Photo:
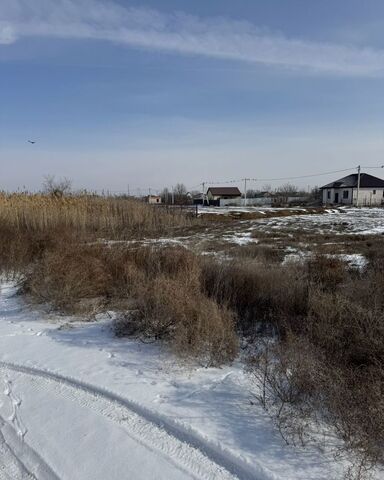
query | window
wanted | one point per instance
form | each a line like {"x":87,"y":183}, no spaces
{"x":345,"y":194}
{"x":329,"y":194}
{"x":374,"y":192}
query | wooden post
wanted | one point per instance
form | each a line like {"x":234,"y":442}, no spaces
{"x":358,"y":186}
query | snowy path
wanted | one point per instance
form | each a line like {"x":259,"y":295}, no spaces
{"x":151,"y":430}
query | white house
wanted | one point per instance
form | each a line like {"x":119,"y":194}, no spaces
{"x":222,"y":195}
{"x":153,"y":199}
{"x":344,"y":191}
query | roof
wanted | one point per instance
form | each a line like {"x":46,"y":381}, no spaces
{"x":366,"y":181}
{"x":227,"y":191}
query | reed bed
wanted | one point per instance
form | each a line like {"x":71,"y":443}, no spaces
{"x":114,"y":217}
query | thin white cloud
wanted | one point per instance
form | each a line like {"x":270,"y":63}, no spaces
{"x":180,"y":33}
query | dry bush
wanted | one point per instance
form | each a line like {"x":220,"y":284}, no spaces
{"x":288,"y":376}
{"x":346,"y":331}
{"x":171,"y":261}
{"x":306,"y":395}
{"x":158,"y":289}
{"x":352,"y":339}
{"x":170,"y":305}
{"x":354,"y":401}
{"x":326,"y":272}
{"x":264,"y":253}
{"x":258,"y":293}
{"x":193,"y":324}
{"x":19,"y":249}
{"x":330,"y":365}
{"x":70,"y":278}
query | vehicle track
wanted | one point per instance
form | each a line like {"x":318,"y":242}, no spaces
{"x":181,"y":446}
{"x":18,"y":461}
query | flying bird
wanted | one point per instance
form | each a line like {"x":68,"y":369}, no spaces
{"x":31,"y":141}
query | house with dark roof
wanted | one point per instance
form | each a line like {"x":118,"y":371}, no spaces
{"x":223,"y":195}
{"x":344,"y":191}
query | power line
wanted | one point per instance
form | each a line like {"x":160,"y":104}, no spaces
{"x":302,"y":176}
{"x":283,"y":178}
{"x":381,"y":166}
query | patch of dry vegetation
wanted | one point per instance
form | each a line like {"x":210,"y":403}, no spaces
{"x":50,"y":240}
{"x":318,"y":333}
{"x":87,"y":214}
{"x":316,"y":329}
{"x":157,"y":289}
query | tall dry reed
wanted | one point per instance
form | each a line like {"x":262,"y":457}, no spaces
{"x":115,"y":217}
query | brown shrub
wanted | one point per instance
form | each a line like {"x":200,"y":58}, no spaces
{"x":263,"y":253}
{"x":350,"y":334}
{"x":159,"y":289}
{"x":354,"y":401}
{"x":332,"y":367}
{"x":304,"y":393}
{"x":68,"y":278}
{"x":171,"y":261}
{"x":193,"y":324}
{"x":288,"y":373}
{"x":327,"y":272}
{"x":258,"y":293}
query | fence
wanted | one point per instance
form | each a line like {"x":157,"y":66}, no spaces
{"x":192,"y":210}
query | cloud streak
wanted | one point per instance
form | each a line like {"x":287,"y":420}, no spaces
{"x":180,"y":33}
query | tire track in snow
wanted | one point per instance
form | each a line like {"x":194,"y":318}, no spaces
{"x":10,"y":466}
{"x":182,"y":447}
{"x":18,"y":460}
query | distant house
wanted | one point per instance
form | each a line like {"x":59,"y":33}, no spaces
{"x":198,"y":199}
{"x":222,"y":195}
{"x":153,"y":199}
{"x":344,"y":191}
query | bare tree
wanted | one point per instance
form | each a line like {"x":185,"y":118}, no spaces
{"x":287,"y":189}
{"x":180,"y":192}
{"x":252,"y":193}
{"x":165,"y":195}
{"x":57,"y":188}
{"x":267,"y":187}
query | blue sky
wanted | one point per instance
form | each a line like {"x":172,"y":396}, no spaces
{"x":158,"y":92}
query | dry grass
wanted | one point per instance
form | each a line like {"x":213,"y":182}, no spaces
{"x":71,"y":278}
{"x":328,"y":359}
{"x":157,"y":290}
{"x":260,"y":293}
{"x":115,"y":217}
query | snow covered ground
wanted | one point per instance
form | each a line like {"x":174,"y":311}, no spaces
{"x":262,"y":210}
{"x":363,"y":221}
{"x":78,"y":403}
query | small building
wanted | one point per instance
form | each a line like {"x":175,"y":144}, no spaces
{"x":198,"y":199}
{"x":226,"y":194}
{"x":153,"y":199}
{"x":344,"y":191}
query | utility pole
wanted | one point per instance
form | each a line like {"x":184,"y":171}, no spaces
{"x":173,"y":195}
{"x":203,"y":184}
{"x":245,"y":191}
{"x":358,"y":185}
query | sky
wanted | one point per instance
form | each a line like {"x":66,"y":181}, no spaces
{"x":135,"y":95}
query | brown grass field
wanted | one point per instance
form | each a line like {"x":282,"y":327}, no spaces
{"x":314,"y":329}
